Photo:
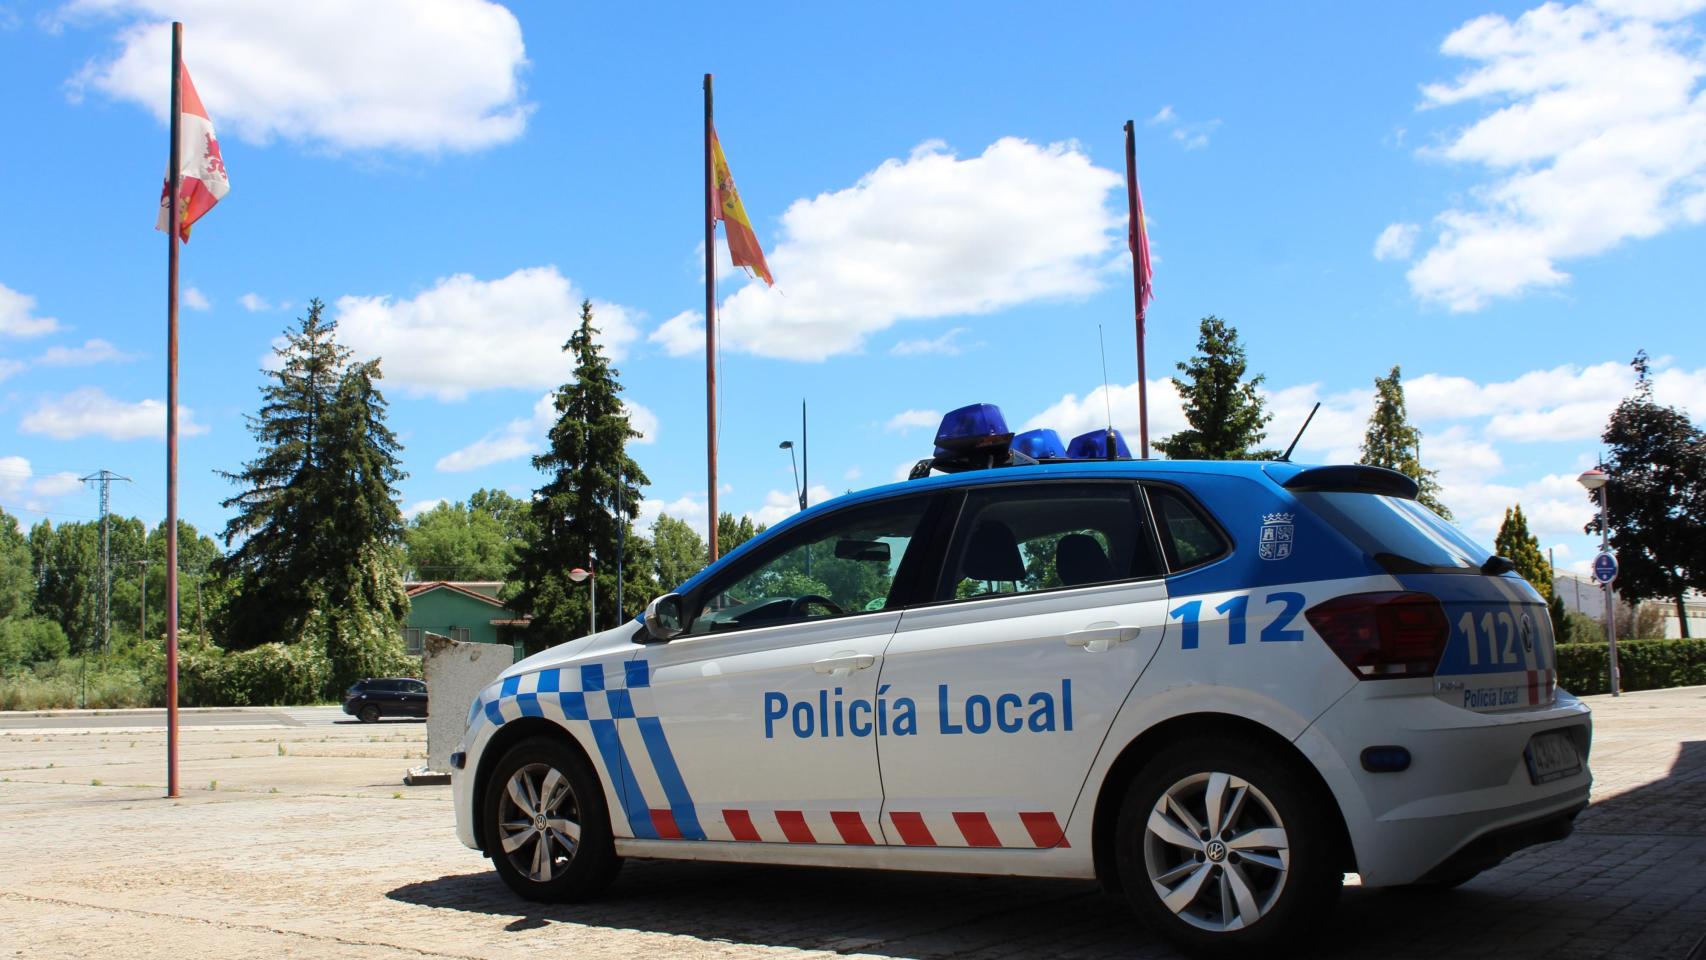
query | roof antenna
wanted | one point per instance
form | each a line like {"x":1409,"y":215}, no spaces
{"x":1107,"y":396}
{"x":1286,"y":456}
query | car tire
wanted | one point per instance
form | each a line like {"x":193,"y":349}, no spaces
{"x":1255,"y":873}
{"x":537,"y":778}
{"x":370,"y":713}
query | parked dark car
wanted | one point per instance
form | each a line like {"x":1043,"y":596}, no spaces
{"x":387,"y":697}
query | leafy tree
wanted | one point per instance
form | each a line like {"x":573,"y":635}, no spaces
{"x":731,"y":532}
{"x":1656,"y":497}
{"x":592,"y":492}
{"x":679,"y":551}
{"x":1516,"y":543}
{"x":68,"y":582}
{"x":1392,"y":442}
{"x":321,"y":552}
{"x":30,"y":640}
{"x":453,"y":542}
{"x":1225,"y":413}
{"x":17,"y":569}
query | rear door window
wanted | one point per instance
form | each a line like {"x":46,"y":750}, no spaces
{"x":1188,"y":536}
{"x":1048,"y":536}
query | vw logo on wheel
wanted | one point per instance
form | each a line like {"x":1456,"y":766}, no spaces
{"x":1216,"y":851}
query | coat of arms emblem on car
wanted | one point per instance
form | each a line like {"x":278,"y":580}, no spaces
{"x":1277,"y":536}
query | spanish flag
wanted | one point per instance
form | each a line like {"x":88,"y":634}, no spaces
{"x":743,"y":243}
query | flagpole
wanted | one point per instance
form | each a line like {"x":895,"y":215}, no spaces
{"x":1137,"y":288}
{"x":710,"y":327}
{"x":173,"y":215}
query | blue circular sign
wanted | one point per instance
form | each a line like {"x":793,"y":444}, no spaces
{"x":1605,"y":567}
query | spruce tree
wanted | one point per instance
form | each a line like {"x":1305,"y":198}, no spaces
{"x":320,"y":558}
{"x":1392,"y":442}
{"x":592,"y":493}
{"x":1225,"y":413}
{"x":1515,"y":543}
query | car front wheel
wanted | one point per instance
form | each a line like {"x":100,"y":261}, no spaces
{"x":1221,"y":846}
{"x":546,"y":825}
{"x":370,"y":714}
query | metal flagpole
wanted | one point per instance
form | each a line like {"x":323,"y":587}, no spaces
{"x":173,"y":216}
{"x":710,"y":326}
{"x":1137,"y":288}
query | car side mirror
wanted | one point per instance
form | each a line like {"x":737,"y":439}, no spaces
{"x":663,"y":617}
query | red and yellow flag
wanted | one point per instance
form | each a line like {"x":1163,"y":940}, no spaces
{"x":743,"y":243}
{"x":201,"y":170}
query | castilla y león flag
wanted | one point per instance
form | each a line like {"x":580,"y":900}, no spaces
{"x":201,"y":171}
{"x":743,"y":243}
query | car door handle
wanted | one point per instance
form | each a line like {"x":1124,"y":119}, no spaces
{"x":843,"y":665}
{"x":1101,"y":637}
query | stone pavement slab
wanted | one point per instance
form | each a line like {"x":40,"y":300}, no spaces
{"x":302,"y":842}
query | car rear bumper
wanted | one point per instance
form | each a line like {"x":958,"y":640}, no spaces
{"x":1467,"y":795}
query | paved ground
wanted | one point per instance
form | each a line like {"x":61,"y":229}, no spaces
{"x":200,"y":717}
{"x":299,"y":841}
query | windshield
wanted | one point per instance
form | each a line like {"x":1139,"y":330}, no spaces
{"x":1399,"y":533}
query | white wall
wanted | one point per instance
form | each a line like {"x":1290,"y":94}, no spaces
{"x":455,"y":672}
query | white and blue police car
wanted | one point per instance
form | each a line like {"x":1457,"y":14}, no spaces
{"x":1216,"y":687}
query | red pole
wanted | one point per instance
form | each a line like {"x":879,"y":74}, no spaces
{"x":1137,"y":288}
{"x":710,"y":322}
{"x":172,"y":217}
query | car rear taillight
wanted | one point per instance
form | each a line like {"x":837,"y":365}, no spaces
{"x":1383,"y":636}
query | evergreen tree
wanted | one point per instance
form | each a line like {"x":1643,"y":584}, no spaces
{"x":1392,"y":442}
{"x":321,"y":556}
{"x":592,"y":492}
{"x":1515,"y":543}
{"x":282,"y":522}
{"x":680,"y":552}
{"x":1656,"y":460}
{"x":1225,"y":413}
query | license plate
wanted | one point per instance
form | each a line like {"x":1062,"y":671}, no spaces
{"x":1552,"y":756}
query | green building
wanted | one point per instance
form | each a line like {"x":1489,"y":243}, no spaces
{"x":467,"y":611}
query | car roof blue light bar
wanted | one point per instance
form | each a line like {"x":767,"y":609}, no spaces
{"x":978,"y":426}
{"x":1042,"y":444}
{"x":1094,"y":446}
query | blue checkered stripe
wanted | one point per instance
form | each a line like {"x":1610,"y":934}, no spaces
{"x":586,"y":694}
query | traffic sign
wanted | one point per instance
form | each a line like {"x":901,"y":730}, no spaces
{"x":1605,"y":567}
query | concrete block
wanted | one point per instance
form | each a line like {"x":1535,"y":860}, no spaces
{"x":455,"y":673}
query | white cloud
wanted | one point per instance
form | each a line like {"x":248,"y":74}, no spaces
{"x":18,"y":317}
{"x":1563,"y":403}
{"x":413,"y":75}
{"x":21,"y":487}
{"x":1070,"y":416}
{"x":9,"y":367}
{"x":779,"y":505}
{"x":88,"y":411}
{"x":466,"y":334}
{"x":929,"y":236}
{"x":853,"y":473}
{"x":1396,"y":242}
{"x":91,"y":352}
{"x":419,"y":507}
{"x":909,"y":419}
{"x":525,"y":436}
{"x":1596,"y":134}
{"x":1191,"y":135}
{"x":254,"y":302}
{"x":195,"y":299}
{"x":690,"y":508}
{"x":681,"y":335}
{"x":946,"y":345}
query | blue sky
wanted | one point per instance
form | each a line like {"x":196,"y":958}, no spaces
{"x":1507,"y":201}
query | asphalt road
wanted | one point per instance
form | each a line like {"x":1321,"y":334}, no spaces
{"x":146,"y":719}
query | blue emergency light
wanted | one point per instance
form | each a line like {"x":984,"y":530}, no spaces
{"x":1042,"y":444}
{"x":973,"y":437}
{"x":1094,"y":446}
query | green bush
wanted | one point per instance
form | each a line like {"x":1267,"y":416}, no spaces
{"x":272,"y":674}
{"x":1583,"y":668}
{"x":70,"y":684}
{"x":27,"y":640}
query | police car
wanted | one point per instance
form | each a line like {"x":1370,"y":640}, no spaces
{"x":1216,"y":687}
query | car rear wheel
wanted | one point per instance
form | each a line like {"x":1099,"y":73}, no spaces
{"x":547,"y":829}
{"x":1220,"y":846}
{"x":370,"y":713}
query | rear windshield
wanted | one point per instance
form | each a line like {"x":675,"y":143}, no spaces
{"x":1402,"y":534}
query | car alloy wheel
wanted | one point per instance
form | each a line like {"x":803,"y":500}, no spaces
{"x":539,"y":822}
{"x":1216,"y":852}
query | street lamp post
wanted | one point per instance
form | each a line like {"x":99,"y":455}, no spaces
{"x":590,"y":578}
{"x":799,"y":494}
{"x":1595,"y":480}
